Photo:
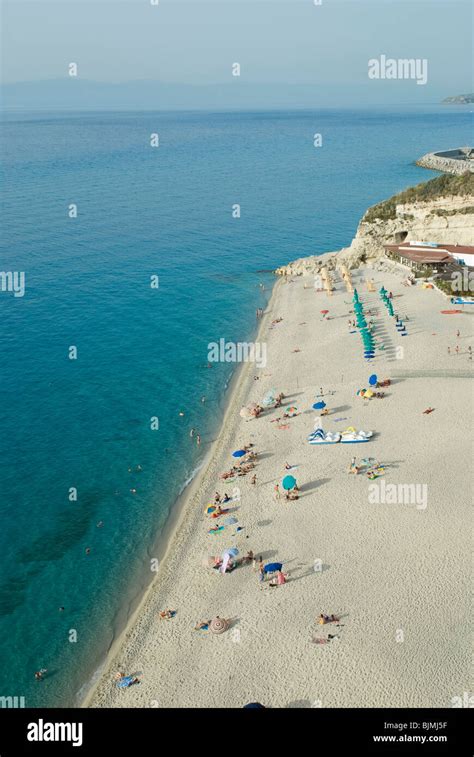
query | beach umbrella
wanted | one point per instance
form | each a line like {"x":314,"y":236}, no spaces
{"x":319,"y":405}
{"x":230,"y":520}
{"x":254,"y":706}
{"x":372,"y":379}
{"x":210,"y":509}
{"x":269,"y":398}
{"x":239,"y":453}
{"x":291,"y":410}
{"x":324,"y":312}
{"x":218,"y":625}
{"x":272,"y":567}
{"x":231,"y":552}
{"x":289,"y":482}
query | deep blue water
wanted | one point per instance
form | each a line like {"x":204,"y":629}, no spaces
{"x":141,"y":352}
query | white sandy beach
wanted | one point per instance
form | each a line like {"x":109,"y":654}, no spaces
{"x":397,"y":575}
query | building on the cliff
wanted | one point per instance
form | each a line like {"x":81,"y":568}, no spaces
{"x":438,"y":258}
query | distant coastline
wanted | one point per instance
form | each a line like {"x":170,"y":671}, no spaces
{"x":459,"y":99}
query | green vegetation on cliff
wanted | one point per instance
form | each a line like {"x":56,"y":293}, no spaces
{"x":442,"y":186}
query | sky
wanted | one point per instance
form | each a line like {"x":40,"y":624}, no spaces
{"x":277,"y":42}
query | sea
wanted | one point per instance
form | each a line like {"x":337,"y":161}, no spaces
{"x":136,"y":258}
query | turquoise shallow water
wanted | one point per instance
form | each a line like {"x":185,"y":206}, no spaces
{"x":143,"y":352}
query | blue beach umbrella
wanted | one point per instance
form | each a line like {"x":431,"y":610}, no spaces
{"x":239,"y":453}
{"x":272,"y":567}
{"x":319,"y":405}
{"x":289,"y":482}
{"x":373,"y":379}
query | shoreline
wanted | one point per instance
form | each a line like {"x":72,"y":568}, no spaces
{"x":162,"y":547}
{"x":377,"y":573}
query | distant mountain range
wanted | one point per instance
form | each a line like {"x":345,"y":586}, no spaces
{"x":463,"y":99}
{"x":79,"y":94}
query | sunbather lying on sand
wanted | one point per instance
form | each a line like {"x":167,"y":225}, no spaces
{"x":203,"y":625}
{"x":323,"y":619}
{"x":166,"y":614}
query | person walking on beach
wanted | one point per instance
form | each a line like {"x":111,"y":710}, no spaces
{"x":276,"y":491}
{"x":469,"y":349}
{"x":458,"y":333}
{"x":253,"y":480}
{"x":261,"y":571}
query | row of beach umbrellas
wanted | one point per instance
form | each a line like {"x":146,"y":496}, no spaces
{"x":367,"y":337}
{"x":386,"y":300}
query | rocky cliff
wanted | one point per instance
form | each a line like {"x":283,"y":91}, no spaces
{"x":441,"y":210}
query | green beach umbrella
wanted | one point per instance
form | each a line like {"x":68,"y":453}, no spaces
{"x":289,"y":482}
